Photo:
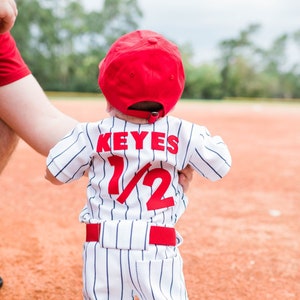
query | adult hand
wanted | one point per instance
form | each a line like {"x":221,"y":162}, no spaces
{"x":8,"y":15}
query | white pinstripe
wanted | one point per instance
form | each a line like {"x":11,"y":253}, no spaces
{"x":122,"y":274}
{"x":103,"y":148}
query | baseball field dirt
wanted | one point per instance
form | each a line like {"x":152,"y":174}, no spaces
{"x":241,"y":234}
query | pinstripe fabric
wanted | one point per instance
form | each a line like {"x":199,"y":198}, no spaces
{"x":122,"y":274}
{"x":133,"y":182}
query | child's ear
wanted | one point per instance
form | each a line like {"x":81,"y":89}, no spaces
{"x":108,"y":107}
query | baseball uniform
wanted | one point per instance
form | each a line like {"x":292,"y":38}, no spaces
{"x":134,"y":200}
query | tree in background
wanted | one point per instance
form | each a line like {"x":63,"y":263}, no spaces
{"x":247,"y":70}
{"x":236,"y":60}
{"x":63,"y":43}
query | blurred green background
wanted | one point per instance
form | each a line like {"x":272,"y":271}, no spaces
{"x":63,"y":42}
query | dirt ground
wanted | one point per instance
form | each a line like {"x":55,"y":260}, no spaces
{"x":241,"y":234}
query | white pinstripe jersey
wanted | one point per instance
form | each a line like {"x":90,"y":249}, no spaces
{"x":133,"y":168}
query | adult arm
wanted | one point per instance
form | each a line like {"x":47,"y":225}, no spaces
{"x":26,"y":109}
{"x":8,"y":143}
{"x":24,"y":106}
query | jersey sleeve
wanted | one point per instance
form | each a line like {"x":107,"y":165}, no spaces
{"x":210,"y":155}
{"x":69,"y":158}
{"x":12,"y":66}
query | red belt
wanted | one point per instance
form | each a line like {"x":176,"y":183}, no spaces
{"x":159,"y":235}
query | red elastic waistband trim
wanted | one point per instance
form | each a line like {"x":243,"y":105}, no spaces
{"x":159,"y":235}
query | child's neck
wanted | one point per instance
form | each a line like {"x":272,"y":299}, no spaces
{"x":132,"y":119}
{"x":113,"y":112}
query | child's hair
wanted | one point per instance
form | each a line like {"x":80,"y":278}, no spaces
{"x":142,"y":75}
{"x":150,"y":106}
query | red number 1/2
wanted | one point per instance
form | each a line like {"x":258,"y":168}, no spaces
{"x":118,"y":163}
{"x":156,"y":200}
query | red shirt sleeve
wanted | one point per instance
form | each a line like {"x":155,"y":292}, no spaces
{"x":12,"y":66}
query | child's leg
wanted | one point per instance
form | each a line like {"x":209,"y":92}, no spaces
{"x":161,"y":278}
{"x":103,"y":273}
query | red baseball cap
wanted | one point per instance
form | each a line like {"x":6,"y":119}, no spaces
{"x":142,"y":66}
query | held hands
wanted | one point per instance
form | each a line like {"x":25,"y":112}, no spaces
{"x":8,"y":14}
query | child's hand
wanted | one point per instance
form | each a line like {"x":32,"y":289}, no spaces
{"x":51,"y":178}
{"x":185,"y":177}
